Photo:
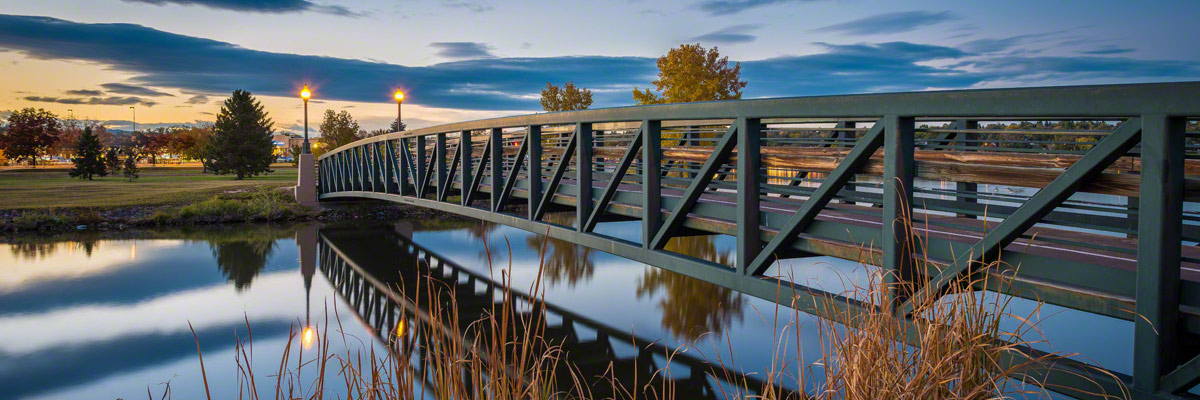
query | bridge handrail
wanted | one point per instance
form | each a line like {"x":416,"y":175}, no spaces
{"x":1123,"y":100}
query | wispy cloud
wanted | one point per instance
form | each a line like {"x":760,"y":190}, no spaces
{"x":732,"y":34}
{"x":84,"y":92}
{"x":469,"y":5}
{"x":462,"y":50}
{"x":722,"y":7}
{"x":123,"y":88}
{"x":108,"y":101}
{"x":259,"y":6}
{"x":1108,"y":50}
{"x":197,"y":99}
{"x":896,"y":22}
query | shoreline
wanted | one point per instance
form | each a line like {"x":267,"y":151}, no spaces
{"x":69,"y":219}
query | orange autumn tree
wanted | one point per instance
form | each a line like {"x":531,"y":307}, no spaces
{"x":693,"y":73}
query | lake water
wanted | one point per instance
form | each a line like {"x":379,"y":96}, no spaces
{"x":91,"y":316}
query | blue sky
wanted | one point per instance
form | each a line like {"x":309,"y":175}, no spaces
{"x":464,"y":59}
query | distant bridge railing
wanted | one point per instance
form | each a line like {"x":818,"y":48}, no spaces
{"x":1090,"y":190}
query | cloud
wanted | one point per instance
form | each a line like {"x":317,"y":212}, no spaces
{"x":470,"y":5}
{"x":259,"y":6}
{"x":1107,"y":50}
{"x":993,"y":45}
{"x":107,"y":101}
{"x":84,"y":92}
{"x":197,"y":66}
{"x":462,"y":50}
{"x":197,"y":99}
{"x":732,"y":34}
{"x":723,"y":7}
{"x":896,"y":22}
{"x":121,"y":88}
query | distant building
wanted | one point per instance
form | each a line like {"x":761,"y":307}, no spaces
{"x":284,"y":143}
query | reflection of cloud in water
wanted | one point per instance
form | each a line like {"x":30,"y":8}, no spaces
{"x":34,"y":261}
{"x":692,"y":307}
{"x":274,"y":298}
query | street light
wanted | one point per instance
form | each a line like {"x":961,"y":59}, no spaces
{"x":399,"y":103}
{"x":305,"y":94}
{"x":134,"y":118}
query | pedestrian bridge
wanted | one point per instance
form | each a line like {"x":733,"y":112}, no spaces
{"x":1087,"y":195}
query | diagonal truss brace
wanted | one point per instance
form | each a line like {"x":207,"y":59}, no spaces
{"x":859,"y":155}
{"x":559,"y":171}
{"x":614,"y":182}
{"x":477,"y":179}
{"x":1103,"y":154}
{"x":511,"y":180}
{"x":718,"y":158}
{"x":448,"y":180}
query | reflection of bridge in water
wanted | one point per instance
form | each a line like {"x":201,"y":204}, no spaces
{"x":1092,"y":191}
{"x":379,"y":271}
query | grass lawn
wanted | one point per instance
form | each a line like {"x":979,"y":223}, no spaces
{"x":53,"y":188}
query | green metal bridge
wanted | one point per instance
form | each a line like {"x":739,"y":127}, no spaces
{"x":1089,"y":191}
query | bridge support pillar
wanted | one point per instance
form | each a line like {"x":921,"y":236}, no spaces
{"x":306,"y":181}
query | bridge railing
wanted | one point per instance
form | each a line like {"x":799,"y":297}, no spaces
{"x":1091,"y":191}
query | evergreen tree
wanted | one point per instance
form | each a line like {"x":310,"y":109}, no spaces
{"x":131,"y":168}
{"x":112,"y":160}
{"x":89,"y":156}
{"x":241,"y":142}
{"x":397,"y":128}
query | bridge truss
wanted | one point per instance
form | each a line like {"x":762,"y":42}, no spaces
{"x":1089,"y":190}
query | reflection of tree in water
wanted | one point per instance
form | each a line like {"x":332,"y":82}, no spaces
{"x":563,"y":261}
{"x":692,"y":307}
{"x":39,"y":250}
{"x":241,"y":260}
{"x":33,"y":250}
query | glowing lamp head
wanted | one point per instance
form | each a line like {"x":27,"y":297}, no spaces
{"x":304,"y":93}
{"x":308,"y":337}
{"x":399,"y":96}
{"x":400,"y":328}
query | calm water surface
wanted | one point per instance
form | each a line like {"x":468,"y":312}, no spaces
{"x":94,"y":317}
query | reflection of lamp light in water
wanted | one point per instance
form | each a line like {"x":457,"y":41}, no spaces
{"x":133,"y":251}
{"x":308,"y":337}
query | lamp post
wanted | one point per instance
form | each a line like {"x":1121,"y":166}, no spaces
{"x":134,"y":118}
{"x":305,"y":94}
{"x":399,"y":104}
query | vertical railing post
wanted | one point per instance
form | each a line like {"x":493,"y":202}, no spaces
{"x":443,"y":181}
{"x":340,"y":166}
{"x":1159,"y":250}
{"x":373,"y":165}
{"x":403,"y":175}
{"x":392,"y":180}
{"x":497,"y":176}
{"x":464,"y":157}
{"x":965,"y":138}
{"x":419,"y":159}
{"x":356,"y":168}
{"x":583,"y":173}
{"x":321,"y":176}
{"x":749,"y":243}
{"x":533,"y":136}
{"x":651,"y":180}
{"x":898,"y":166}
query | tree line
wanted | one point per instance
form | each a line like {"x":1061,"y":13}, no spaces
{"x":239,"y":143}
